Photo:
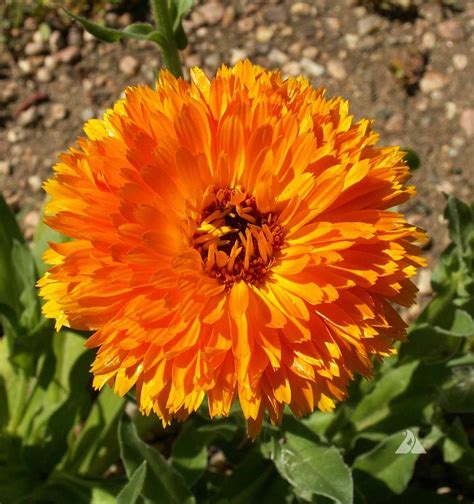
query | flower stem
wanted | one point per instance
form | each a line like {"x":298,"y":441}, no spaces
{"x":169,"y":48}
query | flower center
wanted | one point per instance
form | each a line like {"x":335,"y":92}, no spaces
{"x":235,"y":240}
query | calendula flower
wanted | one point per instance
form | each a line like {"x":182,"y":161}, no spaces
{"x":232,"y":239}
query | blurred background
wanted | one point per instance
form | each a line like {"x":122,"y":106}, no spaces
{"x":405,"y":63}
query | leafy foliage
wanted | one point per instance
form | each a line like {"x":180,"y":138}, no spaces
{"x":60,"y":441}
{"x":142,"y":31}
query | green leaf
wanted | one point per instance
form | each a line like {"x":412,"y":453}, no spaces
{"x":460,"y":222}
{"x":16,"y":482}
{"x":64,"y":487}
{"x":62,"y":378}
{"x":181,"y":38}
{"x":20,"y":312}
{"x":132,"y":490}
{"x":69,"y":348}
{"x":96,"y":448}
{"x":161,"y":479}
{"x":460,"y":324}
{"x":429,"y":344}
{"x":189,"y":453}
{"x":393,"y":471}
{"x":10,"y":233}
{"x":47,"y":406}
{"x":456,"y":446}
{"x":26,"y":274}
{"x":458,"y":396}
{"x":311,"y":468}
{"x":4,"y":413}
{"x":412,"y":159}
{"x":42,"y":236}
{"x":179,"y":9}
{"x":141,"y":31}
{"x":249,"y":482}
{"x":375,"y":406}
{"x":318,"y":422}
{"x":158,"y":38}
{"x":401,"y":397}
{"x":13,"y":384}
{"x":138,"y":29}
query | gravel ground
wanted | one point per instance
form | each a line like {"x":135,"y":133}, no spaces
{"x":410,"y":71}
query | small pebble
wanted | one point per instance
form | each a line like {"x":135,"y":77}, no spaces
{"x":450,"y":109}
{"x":276,"y":14}
{"x":28,"y":117}
{"x":301,"y":9}
{"x":58,"y":111}
{"x":311,"y":69}
{"x":422,"y":104}
{"x":310,"y":52}
{"x":352,"y":40}
{"x":433,"y":81}
{"x":228,"y":16}
{"x":25,"y":66}
{"x":369,"y":24}
{"x":211,"y":12}
{"x":237,"y":55}
{"x":333,"y":24}
{"x":30,"y":221}
{"x":55,"y":41}
{"x":34,"y":48}
{"x":212,"y":61}
{"x":87,"y":113}
{"x":336,"y":69}
{"x":428,"y":41}
{"x":466,"y":121}
{"x":264,"y":34}
{"x":192,"y":60}
{"x":69,"y":55}
{"x":129,"y":65}
{"x":460,"y":61}
{"x":15,"y":135}
{"x":74,"y":38}
{"x":88,"y":37}
{"x":44,"y":75}
{"x":35,"y":183}
{"x":9,"y":92}
{"x":458,"y":141}
{"x":277,"y":57}
{"x":5,"y":168}
{"x":445,"y":186}
{"x":38,"y":37}
{"x":451,"y":30}
{"x":245,"y":25}
{"x":124,"y":19}
{"x":294,"y":49}
{"x":292,"y":69}
{"x":395,"y":123}
{"x":50,"y":62}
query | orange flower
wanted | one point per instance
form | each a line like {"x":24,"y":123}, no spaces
{"x":232,"y":238}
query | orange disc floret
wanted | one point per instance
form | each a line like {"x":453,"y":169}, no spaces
{"x":231,"y":238}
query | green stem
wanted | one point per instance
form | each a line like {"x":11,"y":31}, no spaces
{"x":169,"y":48}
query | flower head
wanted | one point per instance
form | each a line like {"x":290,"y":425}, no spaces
{"x":232,"y":238}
